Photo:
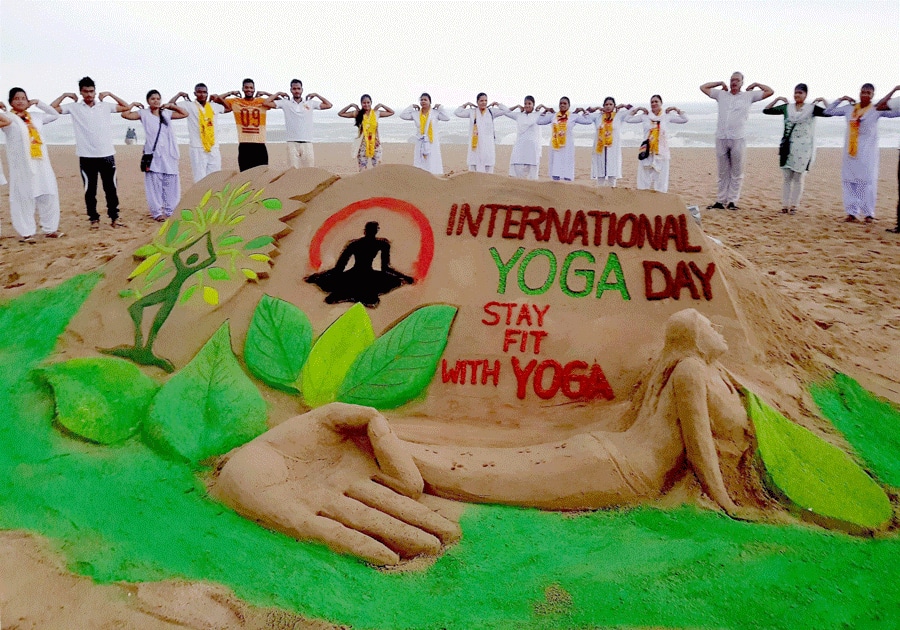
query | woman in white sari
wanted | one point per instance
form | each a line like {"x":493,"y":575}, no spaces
{"x":482,"y":153}
{"x":606,"y":160}
{"x":525,"y":159}
{"x":427,"y":154}
{"x":653,"y":171}
{"x":32,"y":183}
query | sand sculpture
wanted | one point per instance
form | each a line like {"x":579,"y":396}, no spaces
{"x":486,"y":339}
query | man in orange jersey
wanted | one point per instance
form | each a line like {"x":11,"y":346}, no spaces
{"x":250,"y":118}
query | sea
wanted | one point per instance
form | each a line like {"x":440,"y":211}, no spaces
{"x":699,"y":131}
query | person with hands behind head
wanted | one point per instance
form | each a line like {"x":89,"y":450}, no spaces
{"x":365,"y":118}
{"x":797,"y":150}
{"x":298,"y":122}
{"x":885,"y":104}
{"x":162,"y":182}
{"x":427,"y":154}
{"x":204,"y":145}
{"x":653,"y":169}
{"x":731,"y":133}
{"x":859,"y":168}
{"x":606,"y":160}
{"x":249,"y":109}
{"x":94,"y":146}
{"x":481,"y":154}
{"x":525,"y":159}
{"x":562,"y":144}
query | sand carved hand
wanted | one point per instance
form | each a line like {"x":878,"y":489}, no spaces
{"x":337,"y":475}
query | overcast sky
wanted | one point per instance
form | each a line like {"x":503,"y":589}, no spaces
{"x":586,"y":50}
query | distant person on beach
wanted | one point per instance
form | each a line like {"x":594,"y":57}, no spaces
{"x":162,"y":182}
{"x":298,"y":122}
{"x":366,"y":120}
{"x":798,"y":142}
{"x":130,"y":135}
{"x":731,"y":132}
{"x":427,"y":154}
{"x":859,"y":170}
{"x":94,"y":146}
{"x":653,"y":168}
{"x":204,"y":144}
{"x":562,"y":143}
{"x":525,"y":159}
{"x":250,"y":117}
{"x":606,"y":160}
{"x":889,"y":103}
{"x":481,"y":154}
{"x":32,"y":183}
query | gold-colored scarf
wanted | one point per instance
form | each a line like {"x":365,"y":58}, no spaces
{"x":34,"y":137}
{"x":605,"y":132}
{"x":423,"y":120}
{"x":475,"y":131}
{"x":654,"y":139}
{"x":855,"y":120}
{"x":560,"y":124}
{"x":207,"y":127}
{"x":370,"y":131}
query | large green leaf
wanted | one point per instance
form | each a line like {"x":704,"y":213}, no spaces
{"x":401,"y":363}
{"x":278,"y":343}
{"x":207,"y":408}
{"x":814,"y":474}
{"x":334,"y":353}
{"x":101,"y":399}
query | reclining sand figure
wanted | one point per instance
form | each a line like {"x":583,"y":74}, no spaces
{"x":340,"y":475}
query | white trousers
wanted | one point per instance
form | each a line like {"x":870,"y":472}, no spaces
{"x":859,"y":198}
{"x":730,"y":159}
{"x":607,"y":181}
{"x":163,"y":192}
{"x":485,"y":168}
{"x":650,"y":178}
{"x":793,"y":188}
{"x":22,"y":216}
{"x":204,"y":163}
{"x":523,"y":171}
{"x":300,"y":154}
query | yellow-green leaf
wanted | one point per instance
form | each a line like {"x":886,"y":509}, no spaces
{"x":210,"y":295}
{"x":144,"y":266}
{"x":237,"y":219}
{"x":206,"y":197}
{"x":259,"y":257}
{"x":251,"y":275}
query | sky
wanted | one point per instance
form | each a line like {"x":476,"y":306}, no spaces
{"x":394,"y":51}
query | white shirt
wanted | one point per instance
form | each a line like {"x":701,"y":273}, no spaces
{"x":894,"y":104}
{"x":298,"y":118}
{"x":93,"y":128}
{"x":193,"y":122}
{"x":734,"y":110}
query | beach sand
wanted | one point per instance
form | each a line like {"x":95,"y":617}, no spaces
{"x":844,"y":277}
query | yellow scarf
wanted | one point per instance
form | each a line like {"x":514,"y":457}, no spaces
{"x":207,"y":128}
{"x":855,"y":119}
{"x":475,"y":131}
{"x":423,"y":119}
{"x":34,"y":137}
{"x":558,"y":138}
{"x":654,"y":139}
{"x":370,"y":132}
{"x":605,"y":132}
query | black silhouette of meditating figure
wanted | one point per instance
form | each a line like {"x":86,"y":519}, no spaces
{"x":362,"y":282}
{"x":142,"y":353}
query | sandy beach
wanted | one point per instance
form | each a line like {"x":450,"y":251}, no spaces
{"x":843,"y":277}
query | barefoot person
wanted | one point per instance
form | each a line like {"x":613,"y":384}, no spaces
{"x":162,"y":183}
{"x":859,"y":169}
{"x":798,"y":142}
{"x":32,"y":183}
{"x":885,"y":104}
{"x":201,"y":120}
{"x":427,"y":154}
{"x":298,"y":122}
{"x":481,"y":154}
{"x":562,"y":143}
{"x":250,"y":117}
{"x":94,"y":146}
{"x":653,"y":169}
{"x":525,"y":159}
{"x":606,"y":162}
{"x":307,"y":478}
{"x":731,"y":132}
{"x":365,"y":117}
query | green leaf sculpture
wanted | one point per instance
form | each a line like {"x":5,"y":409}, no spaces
{"x":278,"y":343}
{"x":100,"y":399}
{"x":814,"y":474}
{"x":333,"y":354}
{"x":401,"y":363}
{"x":207,"y":408}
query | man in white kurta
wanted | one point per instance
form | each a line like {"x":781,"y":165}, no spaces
{"x":562,"y":140}
{"x":525,"y":159}
{"x":481,"y":154}
{"x":859,"y":168}
{"x":202,"y":131}
{"x":427,"y":154}
{"x":731,"y":133}
{"x":32,"y":183}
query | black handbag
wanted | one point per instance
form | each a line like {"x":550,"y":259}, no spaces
{"x":147,"y":158}
{"x":644,"y":152}
{"x":784,"y":148}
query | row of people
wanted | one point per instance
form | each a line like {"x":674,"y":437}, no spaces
{"x":96,"y":154}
